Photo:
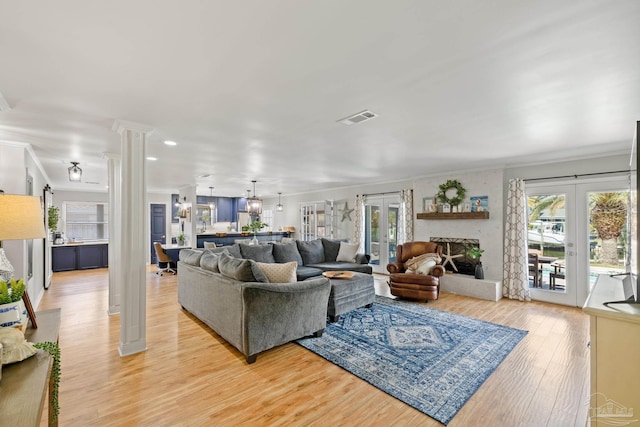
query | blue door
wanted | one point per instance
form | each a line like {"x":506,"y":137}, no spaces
{"x":158,"y":227}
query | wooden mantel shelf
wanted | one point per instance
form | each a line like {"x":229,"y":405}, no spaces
{"x":453,"y":215}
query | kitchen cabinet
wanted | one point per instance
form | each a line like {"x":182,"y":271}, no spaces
{"x":80,"y":257}
{"x":63,"y":258}
{"x":241,"y":204}
{"x":225,"y":209}
{"x":175,"y":207}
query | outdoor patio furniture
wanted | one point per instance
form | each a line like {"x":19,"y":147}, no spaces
{"x":535,"y":270}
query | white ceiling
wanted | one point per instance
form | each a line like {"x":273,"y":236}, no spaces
{"x":254,"y":89}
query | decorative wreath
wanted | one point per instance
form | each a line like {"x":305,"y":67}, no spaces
{"x":451,"y":185}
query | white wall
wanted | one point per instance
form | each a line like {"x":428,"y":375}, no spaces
{"x":487,"y":231}
{"x":16,"y":163}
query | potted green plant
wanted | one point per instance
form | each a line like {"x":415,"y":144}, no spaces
{"x":11,"y":302}
{"x":181,"y":239}
{"x":53,"y":214}
{"x":254,"y":227}
{"x":474,"y":253}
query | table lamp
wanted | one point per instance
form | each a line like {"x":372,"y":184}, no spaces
{"x":21,"y":218}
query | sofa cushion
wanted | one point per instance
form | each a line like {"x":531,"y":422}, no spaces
{"x":331,"y":248}
{"x":209,"y":260}
{"x":190,"y":256}
{"x":242,"y":270}
{"x":347,"y":252}
{"x":304,"y":272}
{"x":279,"y":273}
{"x":233,"y":250}
{"x":209,"y":245}
{"x":286,"y":252}
{"x":258,"y":253}
{"x":311,"y":251}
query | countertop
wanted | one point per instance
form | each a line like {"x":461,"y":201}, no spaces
{"x":83,"y":243}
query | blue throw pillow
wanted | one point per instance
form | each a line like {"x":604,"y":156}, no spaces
{"x":258,"y":253}
{"x":286,"y":252}
{"x":312,"y":252}
{"x":243,"y":270}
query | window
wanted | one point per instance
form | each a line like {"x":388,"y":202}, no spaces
{"x":86,"y":220}
{"x":267,"y":218}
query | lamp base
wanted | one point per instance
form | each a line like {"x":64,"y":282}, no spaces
{"x":6,"y":269}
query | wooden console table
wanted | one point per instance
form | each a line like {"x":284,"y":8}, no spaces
{"x":24,"y":385}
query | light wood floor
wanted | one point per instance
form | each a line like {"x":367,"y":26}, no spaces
{"x":190,"y":377}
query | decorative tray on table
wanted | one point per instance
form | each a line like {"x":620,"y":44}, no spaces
{"x":338,"y":274}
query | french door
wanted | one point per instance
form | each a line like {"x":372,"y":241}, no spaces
{"x":571,"y":247}
{"x":381,"y":230}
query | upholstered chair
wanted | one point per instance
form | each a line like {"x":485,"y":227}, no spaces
{"x":412,"y":285}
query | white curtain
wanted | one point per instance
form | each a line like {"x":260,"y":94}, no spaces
{"x":405,"y":220}
{"x":516,"y":268}
{"x":358,"y":228}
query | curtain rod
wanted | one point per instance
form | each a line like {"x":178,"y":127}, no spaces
{"x":576,"y":176}
{"x":382,"y":194}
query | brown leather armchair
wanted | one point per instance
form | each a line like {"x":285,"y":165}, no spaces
{"x":415,"y":286}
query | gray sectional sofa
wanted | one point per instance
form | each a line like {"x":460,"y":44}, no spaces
{"x":243,"y":308}
{"x":313,"y":257}
{"x":225,"y":288}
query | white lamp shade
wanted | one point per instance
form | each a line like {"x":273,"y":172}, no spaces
{"x":21,"y":217}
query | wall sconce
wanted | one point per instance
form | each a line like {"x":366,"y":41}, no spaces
{"x":279,"y":207}
{"x":254,"y":205}
{"x":75,"y":173}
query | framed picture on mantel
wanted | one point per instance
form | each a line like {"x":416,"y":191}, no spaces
{"x":480,"y":204}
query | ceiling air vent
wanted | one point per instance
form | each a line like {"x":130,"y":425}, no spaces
{"x":360,"y":117}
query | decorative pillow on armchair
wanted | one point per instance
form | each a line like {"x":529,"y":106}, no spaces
{"x":422,"y":264}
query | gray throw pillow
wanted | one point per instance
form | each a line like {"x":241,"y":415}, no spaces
{"x":233,"y":250}
{"x":259,"y":253}
{"x":286,"y":252}
{"x":209,"y":260}
{"x":312,"y":252}
{"x":331,"y":249}
{"x":243,"y":270}
{"x":190,"y":256}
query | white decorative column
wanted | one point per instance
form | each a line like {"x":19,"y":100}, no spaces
{"x":133,"y":246}
{"x":113,"y":169}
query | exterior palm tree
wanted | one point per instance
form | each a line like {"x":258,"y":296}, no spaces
{"x":608,"y":217}
{"x":538,"y":204}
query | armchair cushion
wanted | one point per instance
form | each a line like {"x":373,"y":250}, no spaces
{"x":422,"y":264}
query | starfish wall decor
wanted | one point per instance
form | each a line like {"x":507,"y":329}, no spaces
{"x":346,"y":212}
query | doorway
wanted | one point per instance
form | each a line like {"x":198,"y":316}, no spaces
{"x":158,"y":227}
{"x":381,"y":230}
{"x":575,"y":232}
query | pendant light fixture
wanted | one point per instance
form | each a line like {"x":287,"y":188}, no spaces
{"x":75,"y":173}
{"x":254,"y":205}
{"x":212,"y":205}
{"x":279,"y":207}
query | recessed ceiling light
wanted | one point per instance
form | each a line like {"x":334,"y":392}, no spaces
{"x":152,"y":158}
{"x":172,"y":143}
{"x":206,"y":175}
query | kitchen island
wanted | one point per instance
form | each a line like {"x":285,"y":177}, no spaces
{"x":228,"y":239}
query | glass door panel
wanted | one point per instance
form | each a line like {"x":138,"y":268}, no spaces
{"x":381,"y":231}
{"x":550,"y":242}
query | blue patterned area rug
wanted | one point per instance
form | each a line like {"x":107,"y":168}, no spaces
{"x":430,"y":359}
